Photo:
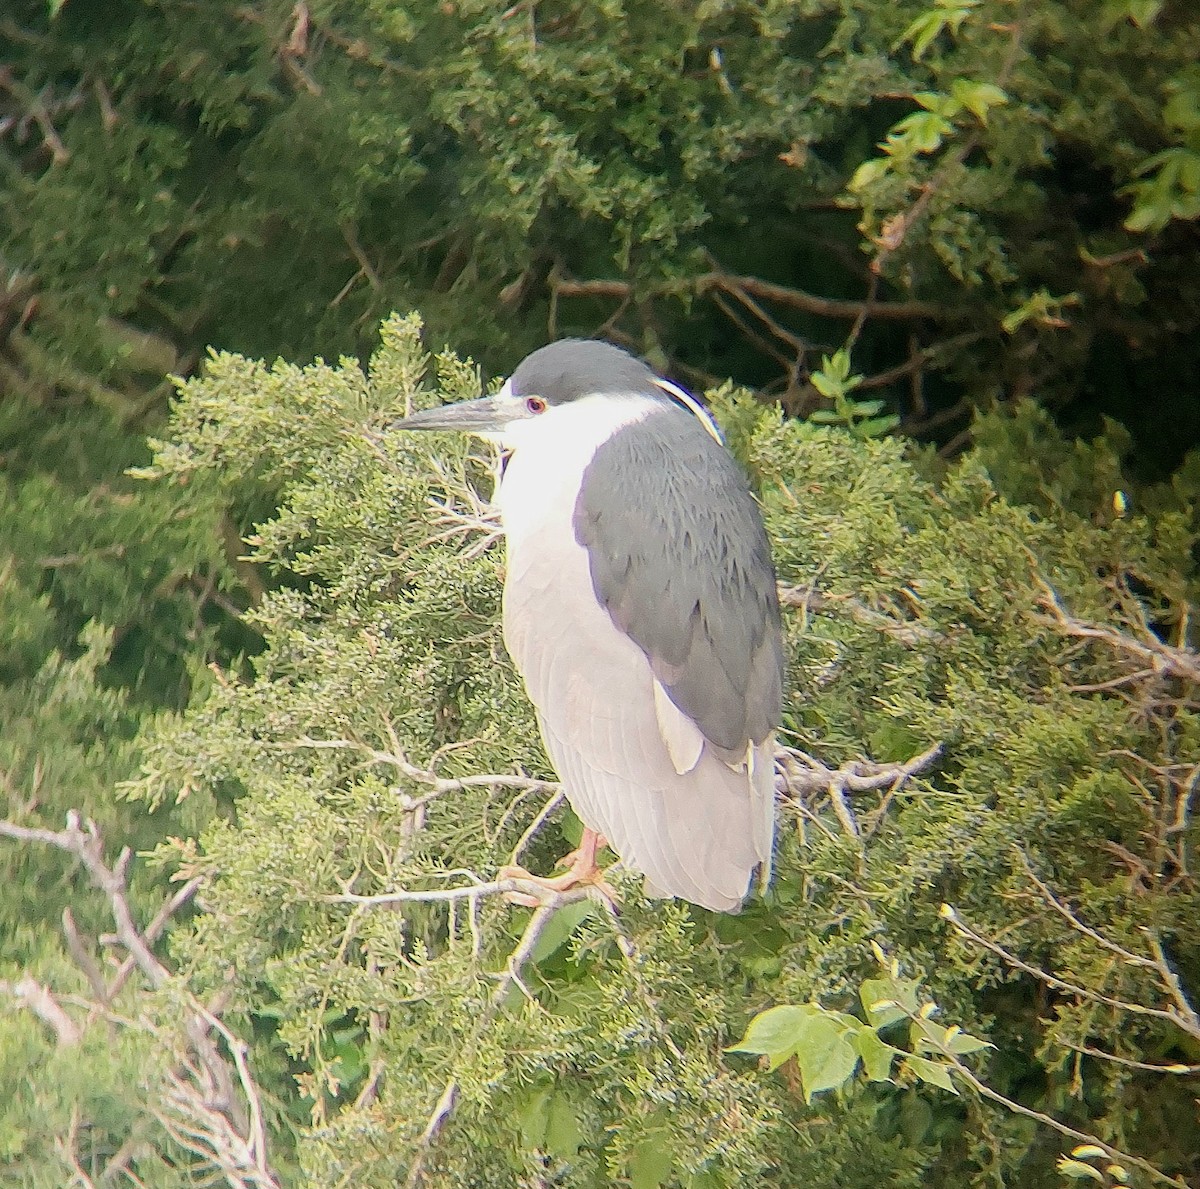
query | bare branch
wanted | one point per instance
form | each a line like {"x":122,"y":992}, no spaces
{"x":479,"y":891}
{"x":810,"y":303}
{"x":906,"y":632}
{"x":85,"y":843}
{"x":543,"y":814}
{"x":1059,"y":907}
{"x":203,"y":1110}
{"x":439,"y":786}
{"x":1164,"y":659}
{"x":1121,"y":1157}
{"x":39,"y":999}
{"x":1174,"y":1016}
{"x":1129,"y":1063}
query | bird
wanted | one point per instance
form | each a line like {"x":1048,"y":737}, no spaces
{"x":640,"y":609}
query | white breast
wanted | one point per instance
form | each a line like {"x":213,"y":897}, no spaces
{"x":695,"y":827}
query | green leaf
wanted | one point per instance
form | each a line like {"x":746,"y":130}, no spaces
{"x":916,"y":1118}
{"x":867,"y":173}
{"x":921,"y":132}
{"x":774,"y":1033}
{"x":886,"y":1000}
{"x":939,"y":103}
{"x":961,"y":1044}
{"x":930,"y":1071}
{"x":876,"y":427}
{"x":825,"y":1056}
{"x":922,"y":32}
{"x":978,"y":98}
{"x":559,"y":928}
{"x":1077,"y":1170}
{"x":877,"y":1055}
{"x":534,"y":1119}
{"x":825,"y":385}
{"x":563,"y":1136}
{"x":651,"y":1165}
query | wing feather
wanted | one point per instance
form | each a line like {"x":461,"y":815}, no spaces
{"x":678,"y":556}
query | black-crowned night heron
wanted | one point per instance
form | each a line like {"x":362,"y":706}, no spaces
{"x":640,"y":608}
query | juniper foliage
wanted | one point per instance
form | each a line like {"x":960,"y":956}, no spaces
{"x":924,"y":607}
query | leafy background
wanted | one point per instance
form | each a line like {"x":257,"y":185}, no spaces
{"x":973,"y":223}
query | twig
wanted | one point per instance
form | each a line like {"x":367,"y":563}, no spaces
{"x":444,"y":1107}
{"x":1164,"y":659}
{"x":84,"y":842}
{"x":152,"y":932}
{"x":205,"y":1114}
{"x":1174,"y":987}
{"x":1051,"y":899}
{"x":1128,"y":1062}
{"x":908,"y":633}
{"x":1116,"y":1154}
{"x":538,"y":822}
{"x":40,"y":1000}
{"x":479,"y":891}
{"x":807,"y":774}
{"x":804,"y":776}
{"x":68,"y":1151}
{"x":439,"y":786}
{"x":811,"y":303}
{"x":1058,"y":984}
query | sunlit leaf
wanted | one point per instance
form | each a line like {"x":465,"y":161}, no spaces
{"x":930,"y":1071}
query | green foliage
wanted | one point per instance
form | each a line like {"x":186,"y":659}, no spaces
{"x":272,"y":179}
{"x":828,"y":1046}
{"x":861,"y":417}
{"x":275,"y":179}
{"x":1169,"y":185}
{"x":945,"y":615}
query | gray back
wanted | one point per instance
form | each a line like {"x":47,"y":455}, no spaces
{"x":680,"y":560}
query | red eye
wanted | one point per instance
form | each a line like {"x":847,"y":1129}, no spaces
{"x":535,"y":404}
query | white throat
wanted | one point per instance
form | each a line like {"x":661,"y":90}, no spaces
{"x":550,"y":452}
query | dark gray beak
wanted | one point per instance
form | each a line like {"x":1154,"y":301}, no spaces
{"x":488,"y":414}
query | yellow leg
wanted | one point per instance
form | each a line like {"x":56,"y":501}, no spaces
{"x":581,"y":869}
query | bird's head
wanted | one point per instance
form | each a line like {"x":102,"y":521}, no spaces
{"x":553,"y":380}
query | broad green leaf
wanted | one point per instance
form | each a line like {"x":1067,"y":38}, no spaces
{"x":824,"y":1054}
{"x":978,"y":98}
{"x":564,"y":1137}
{"x":825,"y":385}
{"x":651,"y":1165}
{"x":876,"y":427}
{"x":877,"y":1055}
{"x":961,"y":1044}
{"x":559,"y":928}
{"x":939,"y":103}
{"x":921,"y":132}
{"x":867,"y":173}
{"x":1077,"y":1170}
{"x":774,"y":1033}
{"x":931,"y":1072}
{"x":534,"y":1118}
{"x":886,"y":1000}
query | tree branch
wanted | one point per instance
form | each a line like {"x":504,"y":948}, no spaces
{"x":1165,"y":659}
{"x":551,"y":902}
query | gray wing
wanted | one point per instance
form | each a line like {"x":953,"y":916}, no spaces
{"x":680,"y":560}
{"x":698,"y":834}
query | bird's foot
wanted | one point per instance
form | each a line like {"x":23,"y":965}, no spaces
{"x":582,"y":871}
